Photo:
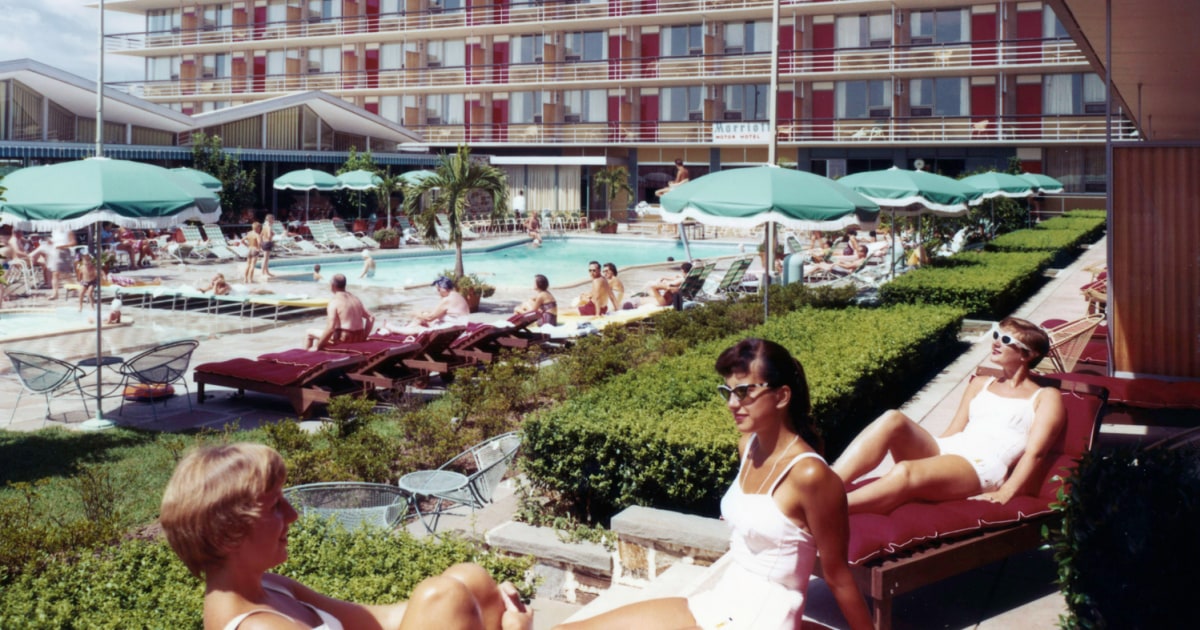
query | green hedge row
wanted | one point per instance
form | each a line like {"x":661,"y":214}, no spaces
{"x":1037,"y":240}
{"x":987,"y":285}
{"x":1091,"y":214}
{"x":141,"y":584}
{"x":660,"y":435}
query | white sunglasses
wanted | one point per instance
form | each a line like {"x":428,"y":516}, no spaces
{"x":1007,"y":339}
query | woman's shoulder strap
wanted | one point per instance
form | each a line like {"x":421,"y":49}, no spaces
{"x":237,"y":621}
{"x":788,"y":468}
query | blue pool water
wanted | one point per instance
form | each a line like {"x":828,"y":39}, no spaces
{"x":23,"y":324}
{"x":562,"y":260}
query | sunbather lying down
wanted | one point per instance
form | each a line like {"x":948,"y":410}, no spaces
{"x":1002,"y":424}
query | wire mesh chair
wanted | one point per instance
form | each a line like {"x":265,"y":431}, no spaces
{"x":1068,"y":341}
{"x":351,"y":503}
{"x":46,"y":376}
{"x":481,"y":468}
{"x":158,"y":367}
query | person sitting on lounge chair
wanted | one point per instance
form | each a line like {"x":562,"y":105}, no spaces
{"x":348,"y":320}
{"x":599,"y":295}
{"x":218,"y":286}
{"x":842,"y":265}
{"x":609,"y":271}
{"x":663,"y":290}
{"x":451,"y":310}
{"x":1000,"y":422}
{"x":542,"y":301}
{"x":226,"y":517}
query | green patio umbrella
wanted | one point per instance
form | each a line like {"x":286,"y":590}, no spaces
{"x":412,"y":178}
{"x":749,"y":197}
{"x":75,"y":195}
{"x":1044,"y":183}
{"x":914,"y":192}
{"x":359,"y":180}
{"x":200,"y":177}
{"x":994,"y":184}
{"x":308,"y":180}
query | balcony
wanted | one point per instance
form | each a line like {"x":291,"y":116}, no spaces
{"x":917,"y":131}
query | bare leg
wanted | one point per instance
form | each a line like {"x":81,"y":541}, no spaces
{"x":940,"y":478}
{"x":894,"y":433}
{"x":464,"y":596}
{"x":654,"y":614}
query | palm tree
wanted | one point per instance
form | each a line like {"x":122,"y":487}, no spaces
{"x":455,"y":176}
{"x":615,"y":180}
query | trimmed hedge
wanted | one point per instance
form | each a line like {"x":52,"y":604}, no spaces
{"x":660,"y":436}
{"x":1037,"y":240}
{"x":141,"y":584}
{"x":988,"y":285}
{"x":1127,"y":546}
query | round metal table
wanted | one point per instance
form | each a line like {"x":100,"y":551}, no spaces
{"x":432,"y":483}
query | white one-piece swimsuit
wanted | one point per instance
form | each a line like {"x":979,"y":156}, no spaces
{"x":764,"y":586}
{"x":995,"y":436}
{"x":328,"y":621}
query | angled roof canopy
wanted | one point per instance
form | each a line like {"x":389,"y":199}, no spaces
{"x":339,"y":114}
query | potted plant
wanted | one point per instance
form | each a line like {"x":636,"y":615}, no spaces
{"x":615,"y":181}
{"x":605,"y":226}
{"x":387,"y":237}
{"x":473,"y":288}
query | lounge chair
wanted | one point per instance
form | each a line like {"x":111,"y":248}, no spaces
{"x":217,"y":242}
{"x":731,"y":282}
{"x":519,"y":335}
{"x":292,"y":243}
{"x":693,"y":283}
{"x":433,"y":357}
{"x":158,"y":368}
{"x":483,"y":342}
{"x":304,"y":378}
{"x":383,"y":362}
{"x":46,"y":376}
{"x":922,"y":543}
{"x":1069,"y":340}
{"x":362,"y":237}
{"x":480,"y":470}
{"x":194,"y":244}
{"x":351,"y":503}
{"x":325,"y":235}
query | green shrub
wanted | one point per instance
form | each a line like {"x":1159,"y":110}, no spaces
{"x":987,"y":285}
{"x":1127,"y":547}
{"x":1091,"y":214}
{"x":659,"y":435}
{"x":1037,"y":240}
{"x":141,"y":584}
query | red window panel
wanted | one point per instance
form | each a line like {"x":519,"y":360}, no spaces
{"x":1029,"y":107}
{"x":649,"y":117}
{"x":984,"y":46}
{"x":500,"y":62}
{"x":371,"y":65}
{"x":823,"y":42}
{"x":1029,"y":36}
{"x":822,"y":113}
{"x":650,"y":52}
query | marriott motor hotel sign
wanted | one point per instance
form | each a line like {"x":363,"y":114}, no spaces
{"x":741,"y":132}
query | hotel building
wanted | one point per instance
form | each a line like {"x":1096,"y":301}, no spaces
{"x":555,"y":89}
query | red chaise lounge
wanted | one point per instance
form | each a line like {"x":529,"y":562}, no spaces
{"x":304,"y":378}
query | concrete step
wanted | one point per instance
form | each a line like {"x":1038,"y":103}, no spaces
{"x":673,"y":582}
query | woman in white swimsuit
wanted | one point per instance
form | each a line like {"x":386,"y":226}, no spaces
{"x":1000,"y":421}
{"x":785,"y":506}
{"x":225,"y":516}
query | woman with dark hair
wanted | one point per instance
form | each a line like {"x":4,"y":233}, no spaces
{"x":542,"y":301}
{"x":1000,"y":421}
{"x":784,"y":508}
{"x":225,"y":516}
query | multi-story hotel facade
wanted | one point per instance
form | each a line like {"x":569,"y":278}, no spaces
{"x":555,"y":89}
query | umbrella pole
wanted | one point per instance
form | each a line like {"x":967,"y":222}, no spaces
{"x":687,"y":249}
{"x":766,"y":283}
{"x":98,"y":423}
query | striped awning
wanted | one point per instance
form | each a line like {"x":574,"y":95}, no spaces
{"x":79,"y":150}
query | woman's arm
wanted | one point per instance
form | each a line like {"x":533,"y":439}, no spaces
{"x":819,"y":493}
{"x":351,"y":615}
{"x":437,"y":313}
{"x":963,"y":414}
{"x":1048,"y":422}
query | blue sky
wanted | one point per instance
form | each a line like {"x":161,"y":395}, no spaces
{"x":62,"y":33}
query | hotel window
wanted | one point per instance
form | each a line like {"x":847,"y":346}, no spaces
{"x":946,"y":96}
{"x":445,"y":6}
{"x":391,"y":7}
{"x":748,"y":37}
{"x":1073,"y":94}
{"x":277,"y":11}
{"x":1051,"y":27}
{"x":681,"y":41}
{"x":328,"y":59}
{"x":163,"y":68}
{"x":450,"y":53}
{"x":324,"y":10}
{"x":163,"y":21}
{"x":215,"y":66}
{"x":444,"y":109}
{"x":864,"y":31}
{"x":677,"y":104}
{"x":940,"y":27}
{"x":392,"y":107}
{"x":528,"y":49}
{"x":587,"y":46}
{"x":525,"y":107}
{"x":589,"y":106}
{"x":216,"y":16}
{"x":745,"y":102}
{"x":864,"y":99}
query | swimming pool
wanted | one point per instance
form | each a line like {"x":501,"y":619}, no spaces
{"x":562,"y":260}
{"x":18,"y":324}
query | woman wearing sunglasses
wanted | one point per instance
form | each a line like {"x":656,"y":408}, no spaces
{"x":1000,"y":422}
{"x":784,"y":507}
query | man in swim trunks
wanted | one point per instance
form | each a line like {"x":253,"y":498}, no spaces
{"x":595,"y":302}
{"x":348,"y":319}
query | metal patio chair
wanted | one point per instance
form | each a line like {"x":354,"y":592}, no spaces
{"x":351,"y":503}
{"x":470,"y":478}
{"x":160,"y":366}
{"x":46,"y":376}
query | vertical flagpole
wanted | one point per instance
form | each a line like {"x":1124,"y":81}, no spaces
{"x":772,"y":144}
{"x":99,"y":422}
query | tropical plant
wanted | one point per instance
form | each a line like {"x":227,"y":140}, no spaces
{"x":455,"y":176}
{"x":347,"y":201}
{"x":237,"y":183}
{"x":615,"y":180}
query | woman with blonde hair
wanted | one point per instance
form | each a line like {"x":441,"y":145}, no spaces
{"x":226,"y":518}
{"x":1003,"y":424}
